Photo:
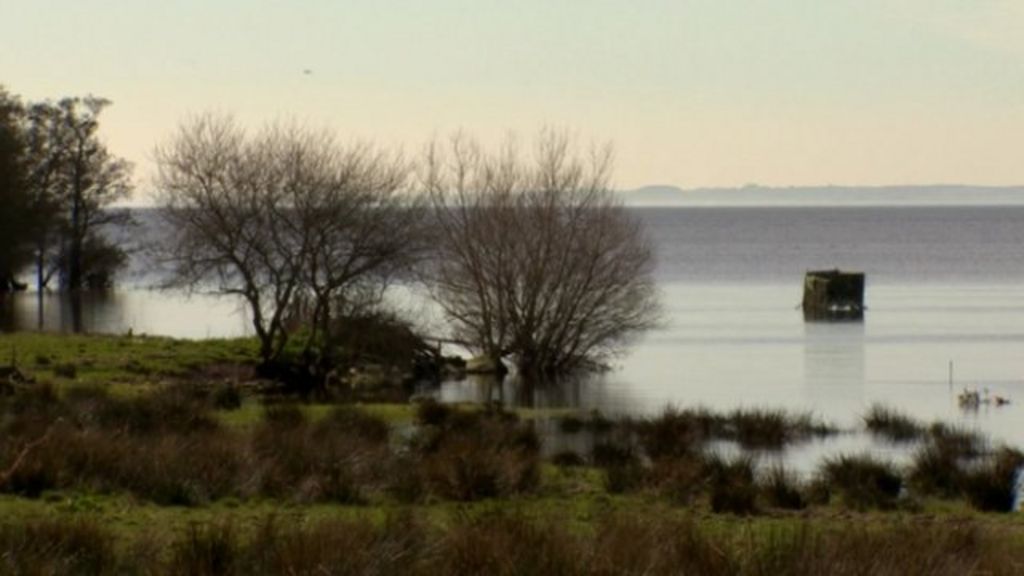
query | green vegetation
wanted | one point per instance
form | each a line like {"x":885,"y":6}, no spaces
{"x":113,"y":361}
{"x":888,"y":423}
{"x":191,"y":467}
{"x":58,"y":181}
{"x":512,"y":541}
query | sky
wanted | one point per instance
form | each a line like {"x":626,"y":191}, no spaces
{"x":691,"y":93}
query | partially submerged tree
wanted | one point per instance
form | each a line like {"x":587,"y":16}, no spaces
{"x":15,"y":250}
{"x":535,"y":258}
{"x":288,"y":219}
{"x":73,"y":181}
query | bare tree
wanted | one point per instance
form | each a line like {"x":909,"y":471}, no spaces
{"x":535,"y":258}
{"x":287,"y":219}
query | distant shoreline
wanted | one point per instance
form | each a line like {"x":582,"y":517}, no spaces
{"x":910,"y":195}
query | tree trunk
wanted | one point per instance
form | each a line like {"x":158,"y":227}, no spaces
{"x":74,"y":263}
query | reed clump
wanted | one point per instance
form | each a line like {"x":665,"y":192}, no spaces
{"x":893,"y":425}
{"x":472,"y":455}
{"x":862,"y":481}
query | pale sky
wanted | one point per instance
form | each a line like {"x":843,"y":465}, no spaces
{"x":690,"y":92}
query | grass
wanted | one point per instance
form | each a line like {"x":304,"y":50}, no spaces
{"x":782,"y":490}
{"x":169,"y":477}
{"x":733,"y":489}
{"x":891,"y":424}
{"x":994,"y":485}
{"x":862,"y":482}
{"x":512,"y":541}
{"x":680,"y":432}
{"x":96,"y":359}
{"x":167,"y":447}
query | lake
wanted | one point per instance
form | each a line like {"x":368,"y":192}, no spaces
{"x":945,"y":288}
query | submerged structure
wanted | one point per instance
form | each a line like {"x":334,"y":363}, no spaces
{"x":831,"y":295}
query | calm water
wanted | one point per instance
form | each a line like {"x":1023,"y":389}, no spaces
{"x":944,"y":286}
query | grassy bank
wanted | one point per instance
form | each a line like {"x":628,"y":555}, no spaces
{"x":183,"y":467}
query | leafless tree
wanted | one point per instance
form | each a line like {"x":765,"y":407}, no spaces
{"x":535,"y":258}
{"x":288,"y":219}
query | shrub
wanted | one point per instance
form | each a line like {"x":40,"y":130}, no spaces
{"x":473,"y":455}
{"x":995,"y":485}
{"x":958,"y":442}
{"x":571,"y":424}
{"x":502,"y":544}
{"x":175,"y":469}
{"x":674,"y":433}
{"x":335,"y":459}
{"x":613,"y":452}
{"x":430,"y":412}
{"x":348,"y":421}
{"x":283,"y":416}
{"x":568,"y":459}
{"x":335,"y":547}
{"x":38,"y":399}
{"x":599,"y":423}
{"x":781,"y":490}
{"x":491,"y":458}
{"x":760,"y":428}
{"x":660,"y":544}
{"x":771,"y":429}
{"x":862,"y":481}
{"x":227,"y":397}
{"x":936,"y":470}
{"x":66,"y":370}
{"x":733,"y":489}
{"x":623,"y":477}
{"x":206,"y":550}
{"x":31,"y":459}
{"x":680,"y":479}
{"x":891,"y":424}
{"x":56,"y":546}
{"x":175,"y":408}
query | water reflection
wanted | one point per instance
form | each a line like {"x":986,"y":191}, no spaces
{"x":515,"y":391}
{"x":603,"y":391}
{"x":833,"y":366}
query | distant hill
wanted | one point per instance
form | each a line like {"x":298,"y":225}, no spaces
{"x":938,"y":195}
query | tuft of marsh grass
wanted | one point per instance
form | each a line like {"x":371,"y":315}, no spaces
{"x":207,"y":550}
{"x":863,"y":481}
{"x":568,"y":459}
{"x":680,"y":432}
{"x":963,"y":443}
{"x":782,"y":490}
{"x":891,"y":424}
{"x":430,"y":412}
{"x":674,"y":433}
{"x":732,"y":485}
{"x":56,"y":546}
{"x":994,"y":485}
{"x":936,"y":471}
{"x":473,"y":455}
{"x":772,"y":429}
{"x":571,"y":424}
